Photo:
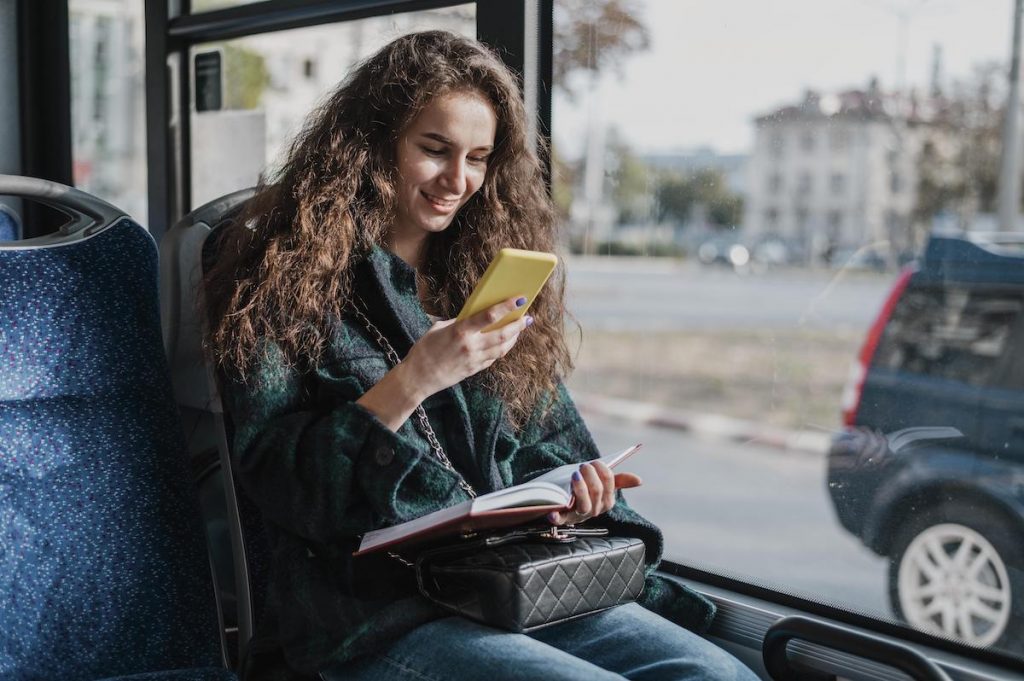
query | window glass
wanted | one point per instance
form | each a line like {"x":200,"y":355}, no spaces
{"x":271,"y":82}
{"x":208,"y":5}
{"x":108,"y":104}
{"x":741,"y":186}
{"x":951,"y":332}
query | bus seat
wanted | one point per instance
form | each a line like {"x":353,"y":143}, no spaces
{"x":184,"y":251}
{"x":103,"y":572}
{"x":10,"y":224}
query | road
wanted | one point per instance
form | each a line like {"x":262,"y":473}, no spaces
{"x":758,"y":513}
{"x":662,"y":294}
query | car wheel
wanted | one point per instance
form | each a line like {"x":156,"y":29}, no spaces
{"x":956,"y":571}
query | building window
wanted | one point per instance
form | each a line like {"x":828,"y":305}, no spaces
{"x":837,"y":183}
{"x":803,"y":218}
{"x":895,"y":182}
{"x":839,"y":138}
{"x":835,"y":222}
{"x":309,"y":68}
{"x":777,"y":144}
{"x":805,"y":184}
{"x":775,"y":183}
{"x":807,"y":141}
{"x":771,"y":219}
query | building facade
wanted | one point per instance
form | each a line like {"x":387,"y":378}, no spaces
{"x":837,"y":173}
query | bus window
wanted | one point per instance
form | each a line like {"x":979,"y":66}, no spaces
{"x":108,"y":106}
{"x":741,"y":184}
{"x":272,"y":80}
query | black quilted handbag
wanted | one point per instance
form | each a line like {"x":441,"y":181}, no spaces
{"x":527,"y":579}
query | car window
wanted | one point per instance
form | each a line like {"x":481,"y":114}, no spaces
{"x":952,"y":332}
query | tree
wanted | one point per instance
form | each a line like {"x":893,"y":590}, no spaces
{"x":677,"y":195}
{"x":245,"y":75}
{"x":630,"y":181}
{"x":674,"y":198}
{"x":594,"y":35}
{"x":958,"y":166}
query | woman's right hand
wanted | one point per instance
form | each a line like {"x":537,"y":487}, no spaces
{"x":454,"y":350}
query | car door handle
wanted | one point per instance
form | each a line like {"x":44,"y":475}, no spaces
{"x":895,"y":655}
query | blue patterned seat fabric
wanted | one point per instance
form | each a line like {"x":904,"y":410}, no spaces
{"x":103,"y":569}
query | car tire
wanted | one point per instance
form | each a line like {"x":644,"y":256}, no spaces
{"x":957,"y":570}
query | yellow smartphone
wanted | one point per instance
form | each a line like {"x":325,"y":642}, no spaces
{"x":512,"y":272}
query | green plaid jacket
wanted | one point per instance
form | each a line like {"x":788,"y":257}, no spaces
{"x":323,"y":470}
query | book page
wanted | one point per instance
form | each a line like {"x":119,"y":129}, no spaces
{"x":562,"y":476}
{"x":532,"y":493}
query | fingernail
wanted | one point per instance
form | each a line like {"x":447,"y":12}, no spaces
{"x":552,"y":518}
{"x":577,"y":476}
{"x":529,"y":320}
{"x":520,"y":302}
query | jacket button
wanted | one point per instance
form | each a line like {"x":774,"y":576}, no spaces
{"x":385,"y":455}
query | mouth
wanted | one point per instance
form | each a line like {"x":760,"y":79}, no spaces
{"x":439,"y":204}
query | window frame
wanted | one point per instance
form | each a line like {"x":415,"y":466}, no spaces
{"x":520,"y":31}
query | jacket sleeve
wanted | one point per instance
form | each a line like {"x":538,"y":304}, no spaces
{"x":321,"y":466}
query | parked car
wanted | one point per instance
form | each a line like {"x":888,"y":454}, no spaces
{"x":723,"y":251}
{"x":929,"y":470}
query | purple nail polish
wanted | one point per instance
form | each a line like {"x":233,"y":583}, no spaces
{"x":552,"y":518}
{"x":577,"y":476}
{"x":520,"y":302}
{"x":529,"y":320}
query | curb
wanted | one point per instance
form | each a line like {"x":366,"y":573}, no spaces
{"x":710,"y":425}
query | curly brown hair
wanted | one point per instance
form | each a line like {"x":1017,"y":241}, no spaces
{"x":285,"y":265}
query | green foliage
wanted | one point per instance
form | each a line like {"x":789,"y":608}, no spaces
{"x":631,"y":180}
{"x":245,"y":77}
{"x":964,"y":178}
{"x":563,"y":178}
{"x":653,"y":250}
{"x":677,"y":197}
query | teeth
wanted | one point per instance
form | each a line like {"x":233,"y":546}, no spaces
{"x":440,"y":202}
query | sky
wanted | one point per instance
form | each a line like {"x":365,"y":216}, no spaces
{"x":715,"y":64}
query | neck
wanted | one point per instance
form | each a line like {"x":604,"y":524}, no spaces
{"x":411,"y":249}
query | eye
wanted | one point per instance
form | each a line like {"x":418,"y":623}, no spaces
{"x":478,"y":160}
{"x":431,"y":151}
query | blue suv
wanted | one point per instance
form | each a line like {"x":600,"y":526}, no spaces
{"x":929,"y":470}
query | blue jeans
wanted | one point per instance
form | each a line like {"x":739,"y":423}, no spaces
{"x":625,"y":642}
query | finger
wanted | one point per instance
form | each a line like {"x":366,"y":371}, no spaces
{"x":505,"y":337}
{"x":494,"y":313}
{"x":584,"y":503}
{"x":596,"y":488}
{"x":561,"y":517}
{"x":627,"y":480}
{"x":607,"y":483}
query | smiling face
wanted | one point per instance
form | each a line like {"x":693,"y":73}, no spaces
{"x":442,"y":161}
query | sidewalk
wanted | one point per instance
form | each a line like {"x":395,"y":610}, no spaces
{"x":709,"y":425}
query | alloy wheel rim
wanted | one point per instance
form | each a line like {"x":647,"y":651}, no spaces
{"x":953,"y":582}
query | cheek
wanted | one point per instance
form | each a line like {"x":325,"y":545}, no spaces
{"x":416,"y":173}
{"x":475,"y":180}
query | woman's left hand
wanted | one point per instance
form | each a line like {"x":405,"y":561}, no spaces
{"x":594,"y":488}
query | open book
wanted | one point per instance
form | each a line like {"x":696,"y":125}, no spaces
{"x":551,"y":491}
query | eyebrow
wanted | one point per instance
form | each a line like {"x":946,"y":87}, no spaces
{"x":444,"y":140}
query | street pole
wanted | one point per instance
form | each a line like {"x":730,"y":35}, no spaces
{"x":1009,"y":175}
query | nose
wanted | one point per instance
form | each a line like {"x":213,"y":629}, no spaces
{"x":453,"y":179}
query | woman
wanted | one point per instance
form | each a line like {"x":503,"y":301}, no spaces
{"x":392,"y":202}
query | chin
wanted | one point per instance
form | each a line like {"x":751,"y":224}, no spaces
{"x":436,"y":226}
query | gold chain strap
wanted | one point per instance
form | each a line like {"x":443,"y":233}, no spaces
{"x":421,"y":413}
